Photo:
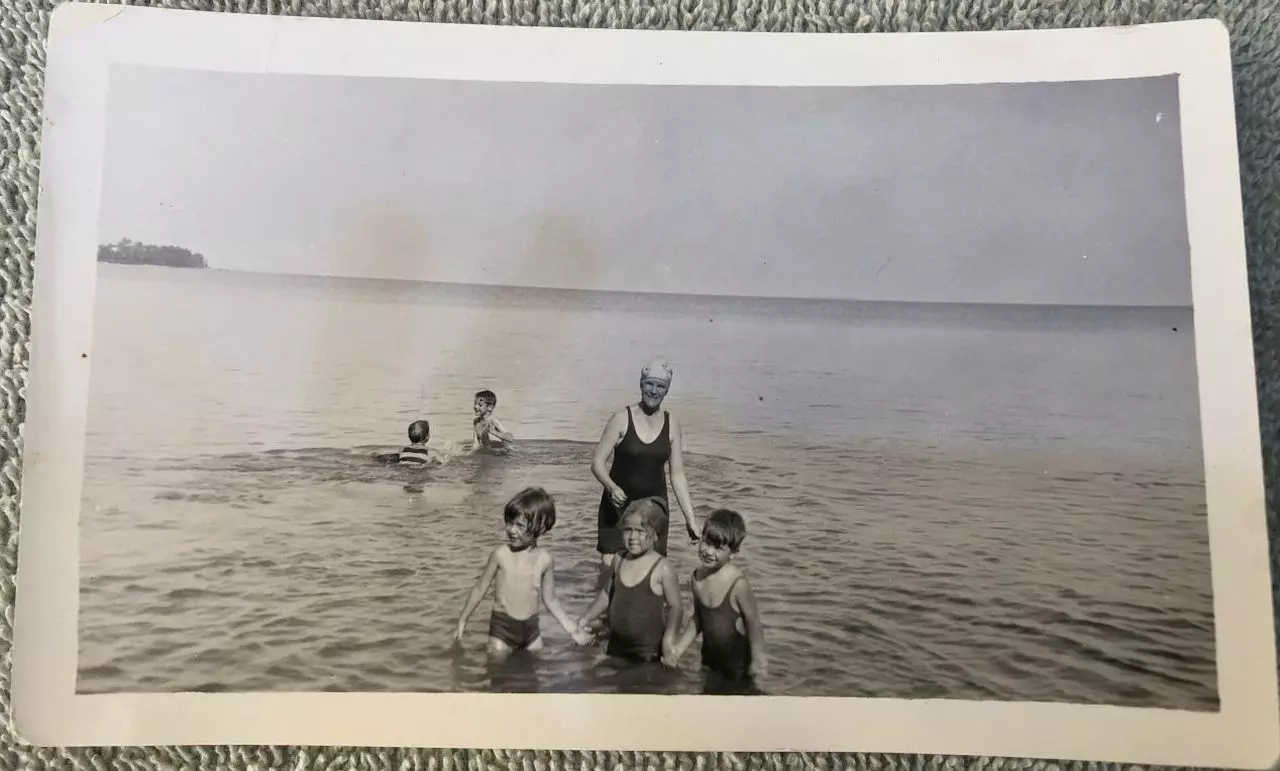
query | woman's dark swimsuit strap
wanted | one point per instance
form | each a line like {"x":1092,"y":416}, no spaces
{"x":640,"y":469}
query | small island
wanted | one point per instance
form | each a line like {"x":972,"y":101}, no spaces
{"x":128,"y":252}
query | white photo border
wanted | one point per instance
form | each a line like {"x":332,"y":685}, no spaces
{"x":85,"y":40}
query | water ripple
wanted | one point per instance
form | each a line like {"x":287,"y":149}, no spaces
{"x":866,"y":592}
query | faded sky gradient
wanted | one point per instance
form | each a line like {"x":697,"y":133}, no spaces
{"x":1026,"y":193}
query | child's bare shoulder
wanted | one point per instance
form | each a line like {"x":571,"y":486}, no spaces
{"x":665,"y":570}
{"x":739,"y":584}
{"x":704,"y":581}
{"x":717,"y":582}
{"x":543,"y":558}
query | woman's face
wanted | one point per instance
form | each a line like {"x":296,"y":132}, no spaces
{"x":652,"y":392}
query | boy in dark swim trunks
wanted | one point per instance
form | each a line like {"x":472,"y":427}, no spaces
{"x":724,"y":608}
{"x":524,"y":575}
{"x":641,"y":590}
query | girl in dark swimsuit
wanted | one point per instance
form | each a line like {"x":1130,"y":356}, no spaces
{"x":639,"y":468}
{"x":642,"y":592}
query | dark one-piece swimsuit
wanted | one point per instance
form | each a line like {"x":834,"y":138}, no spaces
{"x":640,"y":469}
{"x":637,"y":619}
{"x":725,"y":650}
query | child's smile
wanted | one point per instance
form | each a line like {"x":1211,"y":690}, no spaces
{"x":712,"y":556}
{"x":518,"y":534}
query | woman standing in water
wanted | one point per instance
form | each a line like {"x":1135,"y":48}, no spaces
{"x":645,"y":441}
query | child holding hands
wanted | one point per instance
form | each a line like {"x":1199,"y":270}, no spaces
{"x":724,"y":608}
{"x":524,"y":574}
{"x":641,"y":590}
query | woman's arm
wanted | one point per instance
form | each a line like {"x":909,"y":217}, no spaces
{"x":755,"y":629}
{"x":609,"y":438}
{"x":679,"y":482}
{"x":552,"y":601}
{"x":601,"y":602}
{"x":477,"y":593}
{"x":675,"y":611}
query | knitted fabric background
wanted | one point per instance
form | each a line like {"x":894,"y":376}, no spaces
{"x":1255,"y":30}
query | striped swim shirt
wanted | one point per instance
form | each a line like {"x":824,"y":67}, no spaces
{"x":415,"y":455}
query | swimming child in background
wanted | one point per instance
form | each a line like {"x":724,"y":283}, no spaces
{"x":640,"y":591}
{"x":724,"y":608}
{"x":524,"y":576}
{"x":488,"y":432}
{"x":417,"y":453}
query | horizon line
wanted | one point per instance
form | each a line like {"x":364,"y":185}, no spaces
{"x":683,"y":295}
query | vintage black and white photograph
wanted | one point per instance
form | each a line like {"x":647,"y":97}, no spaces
{"x":432,"y":386}
{"x":916,"y":365}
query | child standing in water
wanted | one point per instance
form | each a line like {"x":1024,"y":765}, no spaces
{"x":724,"y":608}
{"x":525,"y":576}
{"x":486,"y":429}
{"x":641,"y":590}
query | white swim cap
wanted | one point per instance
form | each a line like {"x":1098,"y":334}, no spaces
{"x":658,"y":369}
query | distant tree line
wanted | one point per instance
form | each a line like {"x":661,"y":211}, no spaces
{"x":128,"y":252}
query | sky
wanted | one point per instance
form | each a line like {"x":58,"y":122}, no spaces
{"x":1060,"y":193}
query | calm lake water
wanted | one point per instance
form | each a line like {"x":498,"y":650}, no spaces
{"x":942,"y":501}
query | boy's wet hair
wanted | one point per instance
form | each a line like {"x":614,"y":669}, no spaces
{"x":489,"y":398}
{"x":535,"y":506}
{"x":725,"y":527}
{"x":652,"y":512}
{"x":419,"y":431}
